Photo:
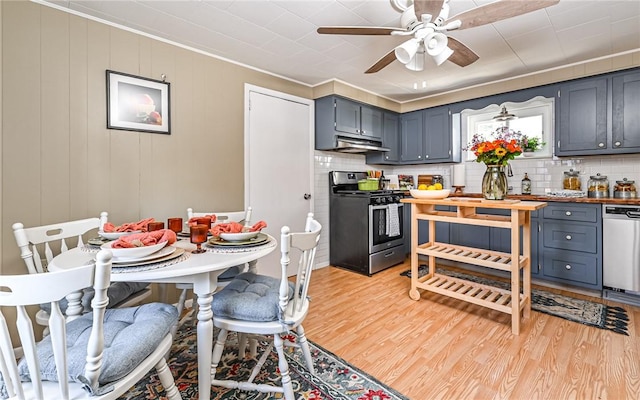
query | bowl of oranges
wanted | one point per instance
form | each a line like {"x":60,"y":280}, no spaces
{"x":434,"y":191}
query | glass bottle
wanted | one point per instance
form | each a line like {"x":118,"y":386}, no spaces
{"x":526,"y":184}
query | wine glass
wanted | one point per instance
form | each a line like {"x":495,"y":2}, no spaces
{"x":198,"y":235}
{"x":175,"y":224}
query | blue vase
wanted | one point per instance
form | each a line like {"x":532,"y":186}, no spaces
{"x":494,"y":183}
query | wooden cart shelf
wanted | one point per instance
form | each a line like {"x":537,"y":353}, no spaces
{"x":516,"y":300}
{"x":470,"y":255}
{"x":472,"y":292}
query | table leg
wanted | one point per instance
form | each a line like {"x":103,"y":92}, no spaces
{"x":205,"y":344}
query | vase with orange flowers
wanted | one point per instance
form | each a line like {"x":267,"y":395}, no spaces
{"x":496,"y":154}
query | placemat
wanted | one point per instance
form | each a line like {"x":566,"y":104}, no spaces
{"x":239,"y":249}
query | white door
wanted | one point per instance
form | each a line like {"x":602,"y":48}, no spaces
{"x":278,"y":164}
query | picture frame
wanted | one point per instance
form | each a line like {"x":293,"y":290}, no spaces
{"x":138,"y":104}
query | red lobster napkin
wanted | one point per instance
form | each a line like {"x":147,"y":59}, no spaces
{"x":235,"y":227}
{"x":146,"y":238}
{"x":128,"y":227}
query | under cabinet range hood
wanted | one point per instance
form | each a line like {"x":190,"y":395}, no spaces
{"x":349,"y":145}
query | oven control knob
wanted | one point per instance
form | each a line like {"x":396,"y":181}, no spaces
{"x":377,"y":200}
{"x":390,"y":199}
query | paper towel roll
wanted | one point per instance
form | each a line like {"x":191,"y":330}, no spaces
{"x":458,"y":174}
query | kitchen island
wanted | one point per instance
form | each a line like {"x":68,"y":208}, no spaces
{"x":518,"y":259}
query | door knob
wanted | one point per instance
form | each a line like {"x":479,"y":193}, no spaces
{"x":307,"y":196}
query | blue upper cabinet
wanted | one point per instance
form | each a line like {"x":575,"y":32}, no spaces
{"x":411,"y":137}
{"x":582,"y":117}
{"x":426,"y":137}
{"x":597,"y":116}
{"x":438,"y":138}
{"x":626,"y":112}
{"x":358,"y":119}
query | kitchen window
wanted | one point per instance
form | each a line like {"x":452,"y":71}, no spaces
{"x":535,"y":118}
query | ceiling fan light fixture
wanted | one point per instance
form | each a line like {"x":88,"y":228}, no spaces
{"x":417,"y":62}
{"x":504,"y":115}
{"x":435,"y":43}
{"x":443,"y":56}
{"x":407,"y":50}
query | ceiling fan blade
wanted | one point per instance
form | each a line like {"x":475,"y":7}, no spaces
{"x":499,"y":10}
{"x":357,"y":30}
{"x":383,"y":62}
{"x":462,"y":55}
{"x":432,"y":7}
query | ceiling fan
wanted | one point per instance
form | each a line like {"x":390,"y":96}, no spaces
{"x":428,"y":22}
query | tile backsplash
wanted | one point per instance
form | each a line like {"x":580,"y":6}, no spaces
{"x":545,"y":173}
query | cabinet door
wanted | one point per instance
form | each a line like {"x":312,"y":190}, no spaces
{"x":347,"y":116}
{"x":582,"y":116}
{"x":371,"y":122}
{"x":390,"y":137}
{"x":437,"y":138}
{"x":411,"y":135}
{"x":625,"y":115}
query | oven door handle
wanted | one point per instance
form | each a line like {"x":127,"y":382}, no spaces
{"x":385,"y":206}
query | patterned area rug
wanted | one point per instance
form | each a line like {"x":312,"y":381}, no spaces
{"x":334,"y":378}
{"x":583,"y":311}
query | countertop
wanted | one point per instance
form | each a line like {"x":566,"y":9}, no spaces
{"x":534,"y":197}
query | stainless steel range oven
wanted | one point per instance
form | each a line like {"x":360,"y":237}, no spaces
{"x":366,"y":231}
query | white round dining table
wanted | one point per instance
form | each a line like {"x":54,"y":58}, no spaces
{"x":201,"y":270}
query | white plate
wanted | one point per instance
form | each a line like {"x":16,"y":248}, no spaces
{"x":115,"y":235}
{"x":160,"y":253}
{"x":430,"y":194}
{"x":133,"y":253}
{"x":236,"y":237}
{"x":175,"y":253}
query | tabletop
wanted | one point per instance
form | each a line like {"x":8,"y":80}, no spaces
{"x":181,"y":271}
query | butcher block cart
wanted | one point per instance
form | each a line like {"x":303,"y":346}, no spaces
{"x":517,"y":300}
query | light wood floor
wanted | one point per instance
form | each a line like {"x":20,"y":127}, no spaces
{"x":442,"y":348}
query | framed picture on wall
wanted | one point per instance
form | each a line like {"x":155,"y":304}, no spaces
{"x":137,"y":104}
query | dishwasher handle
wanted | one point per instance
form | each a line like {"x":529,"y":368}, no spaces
{"x":633,"y":214}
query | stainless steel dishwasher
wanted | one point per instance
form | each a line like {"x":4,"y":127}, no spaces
{"x":621,"y":253}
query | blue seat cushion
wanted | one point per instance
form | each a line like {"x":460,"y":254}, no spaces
{"x":117,"y":292}
{"x":130,"y":335}
{"x":249,"y":297}
{"x":231,"y":273}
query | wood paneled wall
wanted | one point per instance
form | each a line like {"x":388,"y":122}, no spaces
{"x":60,"y":162}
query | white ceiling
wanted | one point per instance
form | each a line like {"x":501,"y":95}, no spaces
{"x":279,"y":37}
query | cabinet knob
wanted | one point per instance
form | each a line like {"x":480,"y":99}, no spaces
{"x":617,"y":144}
{"x":567,"y":266}
{"x":567,"y":213}
{"x":363,"y":131}
{"x":426,"y":156}
{"x":600,"y":144}
{"x":568,"y":237}
{"x":419,"y":157}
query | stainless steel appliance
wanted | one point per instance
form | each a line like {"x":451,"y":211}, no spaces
{"x":621,"y":253}
{"x":366,"y":231}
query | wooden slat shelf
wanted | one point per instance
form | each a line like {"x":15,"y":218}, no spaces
{"x":487,"y":296}
{"x":472,"y":292}
{"x":470,"y":255}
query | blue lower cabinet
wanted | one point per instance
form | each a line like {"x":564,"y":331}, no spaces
{"x":574,"y":268}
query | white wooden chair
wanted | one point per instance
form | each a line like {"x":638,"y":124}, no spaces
{"x":280,"y":310}
{"x":243,"y":217}
{"x":48,"y":240}
{"x":99,"y":355}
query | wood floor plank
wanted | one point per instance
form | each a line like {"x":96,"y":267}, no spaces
{"x":443,"y":348}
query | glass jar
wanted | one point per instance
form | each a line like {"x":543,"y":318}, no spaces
{"x":625,"y":189}
{"x":598,"y":186}
{"x":571,"y":180}
{"x":437,"y":179}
